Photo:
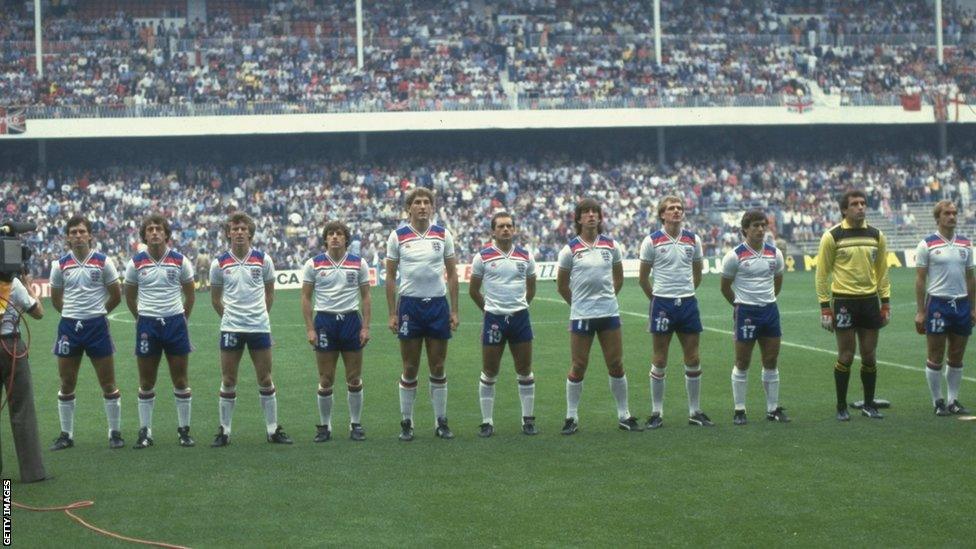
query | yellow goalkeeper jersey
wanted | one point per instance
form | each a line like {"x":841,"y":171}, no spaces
{"x":856,"y":261}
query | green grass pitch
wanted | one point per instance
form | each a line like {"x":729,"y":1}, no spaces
{"x":904,"y":481}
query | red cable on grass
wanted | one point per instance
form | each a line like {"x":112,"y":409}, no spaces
{"x":4,"y":303}
{"x":88,"y":503}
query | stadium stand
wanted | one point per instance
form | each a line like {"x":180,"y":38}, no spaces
{"x":287,"y":197}
{"x":426,"y":55}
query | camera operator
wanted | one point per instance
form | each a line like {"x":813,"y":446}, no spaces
{"x":15,"y":374}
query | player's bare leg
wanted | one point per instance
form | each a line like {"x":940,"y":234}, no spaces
{"x":326,"y":363}
{"x":522,"y":357}
{"x":261,"y":358}
{"x":769,"y":352}
{"x":179,"y":373}
{"x":579,"y":347}
{"x":230,"y":361}
{"x":934,"y":368}
{"x":612,"y":345}
{"x":491,"y":358}
{"x":353,"y":363}
{"x":868,"y":343}
{"x":410,"y":357}
{"x":68,"y":367}
{"x":436,"y":356}
{"x":846,"y":346}
{"x":105,"y":371}
{"x":957,"y":348}
{"x":689,"y":347}
{"x":148,"y":371}
{"x":661,"y":344}
{"x":740,"y":379}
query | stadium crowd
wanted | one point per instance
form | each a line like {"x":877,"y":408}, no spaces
{"x":291,"y":200}
{"x":422,"y":54}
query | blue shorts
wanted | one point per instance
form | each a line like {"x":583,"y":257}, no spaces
{"x":236,"y":341}
{"x":590,"y":326}
{"x":156,"y":335}
{"x":753,"y":322}
{"x":948,"y":316}
{"x":84,"y":336}
{"x":338,"y":331}
{"x":674,"y":314}
{"x":423,"y":317}
{"x":512,"y":328}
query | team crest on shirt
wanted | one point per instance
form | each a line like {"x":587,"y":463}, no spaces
{"x":605,"y":255}
{"x":772,"y":265}
{"x":521,"y":268}
{"x":963,"y":253}
{"x":171,"y":275}
{"x":436,"y":246}
{"x":96,"y":275}
{"x":689,"y":252}
{"x":350,"y":278}
{"x":256,"y":274}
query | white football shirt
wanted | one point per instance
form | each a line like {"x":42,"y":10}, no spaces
{"x":336,"y":284}
{"x":753,"y":272}
{"x":591,"y":277}
{"x":421,"y":259}
{"x":503,"y":277}
{"x":160,"y":282}
{"x":947,"y":262}
{"x":243,"y":281}
{"x":84,"y":283}
{"x":671,"y":260}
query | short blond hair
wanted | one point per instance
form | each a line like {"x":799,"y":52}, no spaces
{"x":663,"y":204}
{"x":941,"y":205}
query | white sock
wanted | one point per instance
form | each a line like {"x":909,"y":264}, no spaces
{"x":228,"y":397}
{"x":408,"y":394}
{"x":325,"y":406}
{"x":184,"y":400}
{"x":66,"y":413}
{"x":574,"y":390}
{"x":770,"y":380}
{"x":693,"y":386}
{"x":657,"y":390}
{"x":953,"y":381}
{"x":740,"y":386}
{"x":438,"y":396}
{"x":486,"y":393}
{"x":934,"y":378}
{"x":526,"y":390}
{"x":354,"y":397}
{"x":113,"y":411}
{"x":145,"y":405}
{"x":618,"y":387}
{"x":269,"y":403}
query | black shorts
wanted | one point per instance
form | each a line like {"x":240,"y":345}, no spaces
{"x":857,"y":312}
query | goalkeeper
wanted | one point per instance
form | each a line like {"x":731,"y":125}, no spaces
{"x":853,"y":257}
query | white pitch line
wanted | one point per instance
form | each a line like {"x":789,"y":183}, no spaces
{"x":782,"y":342}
